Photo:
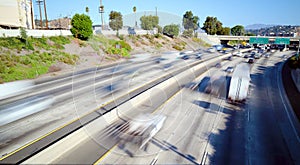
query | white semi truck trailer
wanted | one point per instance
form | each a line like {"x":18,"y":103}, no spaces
{"x":239,"y":84}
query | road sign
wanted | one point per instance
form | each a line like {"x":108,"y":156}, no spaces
{"x":285,"y":41}
{"x":256,"y":40}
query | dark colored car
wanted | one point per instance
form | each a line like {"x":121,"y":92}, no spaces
{"x":159,"y":59}
{"x":218,"y":65}
{"x":131,"y":31}
{"x":250,"y":60}
{"x":198,"y":56}
{"x":229,"y":58}
{"x":260,"y":51}
{"x":185,"y":57}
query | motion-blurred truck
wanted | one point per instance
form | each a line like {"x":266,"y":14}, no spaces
{"x":216,"y":86}
{"x":239,"y":84}
{"x":141,"y":129}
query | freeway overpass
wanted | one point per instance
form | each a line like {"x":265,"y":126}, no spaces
{"x":226,"y":38}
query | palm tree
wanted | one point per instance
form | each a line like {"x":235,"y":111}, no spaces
{"x":87,"y":10}
{"x":134,"y":10}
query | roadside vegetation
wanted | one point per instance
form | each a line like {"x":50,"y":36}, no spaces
{"x":27,"y":57}
{"x":19,"y":67}
{"x":294,"y":62}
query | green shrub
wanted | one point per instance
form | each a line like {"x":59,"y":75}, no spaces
{"x":149,"y":36}
{"x":40,"y":43}
{"x":178,"y":47}
{"x":125,"y":53}
{"x":23,"y":34}
{"x":294,"y":63}
{"x":121,"y":37}
{"x":60,"y":40}
{"x":123,"y":44}
{"x":187,"y":33}
{"x":159,"y":29}
{"x":158,"y":45}
{"x":171,"y":30}
{"x":116,"y":51}
{"x":81,"y":26}
{"x":158,"y":35}
{"x":12,"y":43}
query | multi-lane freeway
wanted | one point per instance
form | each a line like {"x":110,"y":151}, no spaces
{"x":200,"y":127}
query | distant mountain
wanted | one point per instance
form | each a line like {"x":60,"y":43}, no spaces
{"x":257,"y":26}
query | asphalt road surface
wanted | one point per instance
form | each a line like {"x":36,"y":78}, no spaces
{"x":75,"y":96}
{"x":203,"y":129}
{"x":200,"y":128}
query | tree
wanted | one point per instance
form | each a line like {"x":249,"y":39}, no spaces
{"x":149,"y":22}
{"x":249,"y":34}
{"x":171,"y":30}
{"x":212,"y":25}
{"x":134,"y":11}
{"x":238,"y":30}
{"x":115,"y":20}
{"x":81,"y":26}
{"x":224,"y":31}
{"x":159,"y":29}
{"x":189,"y":21}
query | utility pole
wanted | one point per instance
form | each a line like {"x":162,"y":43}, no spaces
{"x":297,"y":56}
{"x":31,"y":11}
{"x":101,"y":11}
{"x":46,"y":14}
{"x":41,"y":19}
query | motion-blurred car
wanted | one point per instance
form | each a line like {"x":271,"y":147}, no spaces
{"x":159,"y":59}
{"x":267,"y":55}
{"x":185,"y":57}
{"x":250,"y":60}
{"x":246,"y":56}
{"x":240,"y":54}
{"x":260,"y":51}
{"x":257,"y":55}
{"x":198,"y":56}
{"x":211,"y":50}
{"x":140,"y":130}
{"x":218,"y":65}
{"x":229,"y":69}
{"x":229,"y":58}
{"x":284,"y":56}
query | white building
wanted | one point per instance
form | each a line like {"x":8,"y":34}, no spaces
{"x":15,"y":14}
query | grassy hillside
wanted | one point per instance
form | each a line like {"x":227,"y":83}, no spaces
{"x":28,"y":57}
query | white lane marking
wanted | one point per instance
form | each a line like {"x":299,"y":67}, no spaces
{"x":154,"y":160}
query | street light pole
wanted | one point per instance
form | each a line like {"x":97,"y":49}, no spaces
{"x":46,"y":17}
{"x":31,"y":13}
{"x":41,"y":19}
{"x":101,"y":11}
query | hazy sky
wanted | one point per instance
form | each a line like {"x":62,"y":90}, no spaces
{"x":229,"y":12}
